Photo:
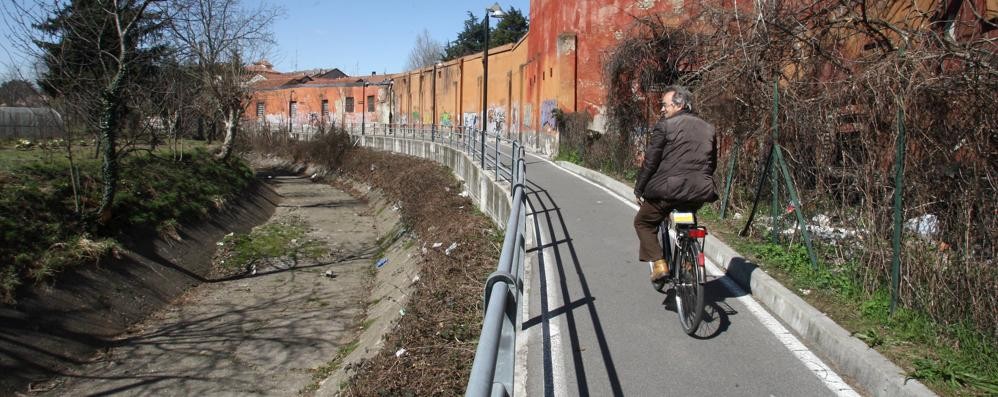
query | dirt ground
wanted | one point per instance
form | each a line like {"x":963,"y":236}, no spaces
{"x":263,"y":334}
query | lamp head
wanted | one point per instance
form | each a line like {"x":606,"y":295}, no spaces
{"x":496,"y":11}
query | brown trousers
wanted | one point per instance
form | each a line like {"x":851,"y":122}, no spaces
{"x":646,"y":222}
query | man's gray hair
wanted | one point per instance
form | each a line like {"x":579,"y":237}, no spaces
{"x":681,"y":96}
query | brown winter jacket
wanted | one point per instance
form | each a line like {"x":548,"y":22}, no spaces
{"x":679,"y":161}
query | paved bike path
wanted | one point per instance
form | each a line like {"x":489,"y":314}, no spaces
{"x":596,"y":327}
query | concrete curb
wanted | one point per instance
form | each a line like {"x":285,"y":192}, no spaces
{"x":850,"y":356}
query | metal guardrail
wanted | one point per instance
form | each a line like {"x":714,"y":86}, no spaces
{"x":492,"y":372}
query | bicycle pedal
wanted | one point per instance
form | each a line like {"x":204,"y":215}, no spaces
{"x":659,"y":286}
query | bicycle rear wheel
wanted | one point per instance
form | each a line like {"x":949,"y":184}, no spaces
{"x":689,"y":289}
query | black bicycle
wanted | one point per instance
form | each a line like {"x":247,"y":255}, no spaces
{"x":682,"y":246}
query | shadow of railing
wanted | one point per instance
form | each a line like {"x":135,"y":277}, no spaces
{"x":559,"y":242}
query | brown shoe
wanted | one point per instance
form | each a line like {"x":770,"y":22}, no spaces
{"x":659,"y":270}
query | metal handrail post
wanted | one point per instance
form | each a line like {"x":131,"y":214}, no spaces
{"x":512,"y":164}
{"x":498,"y":317}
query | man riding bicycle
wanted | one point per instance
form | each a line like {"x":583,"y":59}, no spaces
{"x":677,"y":173}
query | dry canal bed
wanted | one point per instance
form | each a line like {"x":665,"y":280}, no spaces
{"x":261,"y":334}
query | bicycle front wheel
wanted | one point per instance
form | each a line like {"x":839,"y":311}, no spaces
{"x":689,"y":289}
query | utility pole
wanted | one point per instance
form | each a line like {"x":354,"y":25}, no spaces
{"x":494,"y":11}
{"x":485,"y":84}
{"x":363,"y":107}
{"x":433,"y":123}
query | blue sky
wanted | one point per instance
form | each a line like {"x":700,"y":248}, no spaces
{"x":364,"y":36}
{"x":356,"y":36}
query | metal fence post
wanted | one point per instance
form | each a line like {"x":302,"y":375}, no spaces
{"x":758,"y":191}
{"x":497,"y":156}
{"x":773,"y":182}
{"x":898,"y":207}
{"x":795,"y":201}
{"x":730,"y":177}
{"x":512,"y":165}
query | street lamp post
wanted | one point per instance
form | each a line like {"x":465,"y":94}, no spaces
{"x":291,"y":116}
{"x":494,"y":11}
{"x":391,"y":104}
{"x":433,"y":95}
{"x":363,"y":109}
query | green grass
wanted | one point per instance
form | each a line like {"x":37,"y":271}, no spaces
{"x":627,"y":175}
{"x":281,"y":239}
{"x":13,"y":155}
{"x":955,"y":358}
{"x":952,"y":359}
{"x":321,"y":373}
{"x":42,"y":233}
{"x":569,"y":155}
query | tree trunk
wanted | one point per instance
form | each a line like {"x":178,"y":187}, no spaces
{"x":73,"y":179}
{"x":178,"y":134}
{"x":109,"y":124}
{"x":212,"y":127}
{"x":200,"y":134}
{"x":231,"y":128}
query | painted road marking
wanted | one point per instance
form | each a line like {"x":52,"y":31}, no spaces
{"x":523,"y":337}
{"x":805,"y":355}
{"x":554,"y":336}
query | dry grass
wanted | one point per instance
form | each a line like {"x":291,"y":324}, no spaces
{"x":443,"y":317}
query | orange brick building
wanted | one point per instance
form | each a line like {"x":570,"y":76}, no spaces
{"x":302,"y":100}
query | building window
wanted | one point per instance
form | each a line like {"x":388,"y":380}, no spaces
{"x":260,"y":110}
{"x":294,"y":110}
{"x":370,"y":103}
{"x":325,"y":108}
{"x":349,"y":104}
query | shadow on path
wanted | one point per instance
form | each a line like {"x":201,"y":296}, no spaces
{"x":717,"y":312}
{"x":547,"y":214}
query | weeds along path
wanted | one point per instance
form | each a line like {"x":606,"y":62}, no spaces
{"x":262,"y":333}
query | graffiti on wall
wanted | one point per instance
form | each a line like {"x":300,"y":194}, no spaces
{"x":469,"y":119}
{"x":403,"y":119}
{"x":497,"y":120}
{"x":514,"y":122}
{"x":548,"y":122}
{"x":352,"y":118}
{"x":276,"y":119}
{"x":528,"y":115}
{"x":445,"y":120}
{"x":415,"y":116}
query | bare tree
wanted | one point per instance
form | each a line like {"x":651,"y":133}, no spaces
{"x":425,"y":52}
{"x":216,"y":36}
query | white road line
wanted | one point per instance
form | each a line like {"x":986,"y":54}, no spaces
{"x":523,"y":337}
{"x":787,"y":338}
{"x":805,"y":355}
{"x":557,"y":367}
